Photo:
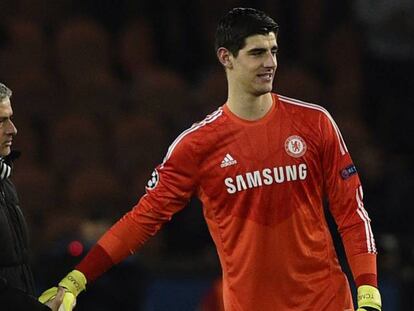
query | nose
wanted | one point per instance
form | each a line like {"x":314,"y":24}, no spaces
{"x":270,"y":61}
{"x":11,"y":128}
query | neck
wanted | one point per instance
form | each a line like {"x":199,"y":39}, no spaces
{"x":249,"y":107}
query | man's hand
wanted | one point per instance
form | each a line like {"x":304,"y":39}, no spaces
{"x":72,"y":284}
{"x":369,"y":298}
{"x":55,"y":303}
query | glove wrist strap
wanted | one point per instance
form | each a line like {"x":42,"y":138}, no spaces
{"x":74,"y":282}
{"x":369,"y":296}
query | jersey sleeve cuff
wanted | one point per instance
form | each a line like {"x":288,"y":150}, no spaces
{"x":364,"y":269}
{"x":366,"y":279}
{"x":95,"y":263}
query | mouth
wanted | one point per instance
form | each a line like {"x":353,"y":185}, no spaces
{"x":267,"y":77}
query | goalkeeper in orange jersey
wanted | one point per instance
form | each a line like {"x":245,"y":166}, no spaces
{"x":262,"y":165}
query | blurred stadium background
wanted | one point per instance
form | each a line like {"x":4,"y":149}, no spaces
{"x":101,"y":88}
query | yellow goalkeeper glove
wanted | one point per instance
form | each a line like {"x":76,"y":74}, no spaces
{"x":369,"y":298}
{"x":73,"y":283}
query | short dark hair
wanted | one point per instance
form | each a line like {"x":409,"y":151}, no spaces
{"x":238,"y":24}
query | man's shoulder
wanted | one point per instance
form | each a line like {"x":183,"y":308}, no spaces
{"x":205,"y":126}
{"x":301,"y":105}
{"x":201,"y":134}
{"x":9,"y":189}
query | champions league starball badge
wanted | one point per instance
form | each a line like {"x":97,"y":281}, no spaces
{"x":153,"y":181}
{"x":295,"y":146}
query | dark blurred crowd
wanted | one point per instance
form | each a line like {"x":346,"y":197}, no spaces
{"x":101,"y":88}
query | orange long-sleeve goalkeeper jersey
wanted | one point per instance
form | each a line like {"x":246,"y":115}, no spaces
{"x":262,"y":184}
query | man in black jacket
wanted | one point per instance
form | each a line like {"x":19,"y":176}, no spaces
{"x":16,"y":280}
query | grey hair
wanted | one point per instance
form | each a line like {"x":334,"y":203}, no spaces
{"x":5,"y":92}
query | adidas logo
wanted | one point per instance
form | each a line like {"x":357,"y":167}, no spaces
{"x":227,"y":161}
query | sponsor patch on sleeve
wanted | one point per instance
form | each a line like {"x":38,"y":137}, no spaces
{"x":348,"y":171}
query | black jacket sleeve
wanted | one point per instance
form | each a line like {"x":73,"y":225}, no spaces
{"x":13,"y":299}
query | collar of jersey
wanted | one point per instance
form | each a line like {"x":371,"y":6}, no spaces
{"x":260,"y":121}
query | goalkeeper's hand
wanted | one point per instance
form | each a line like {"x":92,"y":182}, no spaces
{"x":369,"y":298}
{"x":73,"y":283}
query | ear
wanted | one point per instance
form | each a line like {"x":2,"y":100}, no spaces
{"x":225,"y":58}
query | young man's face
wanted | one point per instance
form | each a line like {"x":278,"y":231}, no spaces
{"x":7,"y":128}
{"x":255,"y":66}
